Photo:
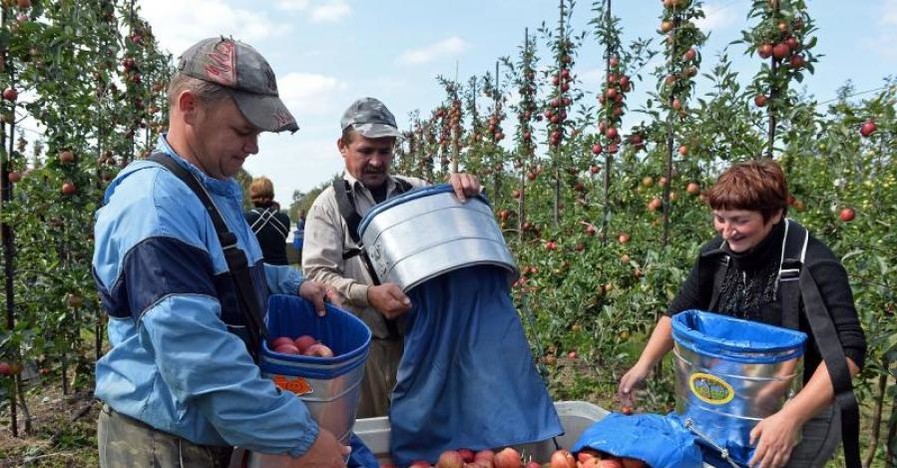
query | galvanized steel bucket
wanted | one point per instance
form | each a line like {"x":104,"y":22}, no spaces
{"x":732,"y":373}
{"x":427,"y":232}
{"x":329,"y":387}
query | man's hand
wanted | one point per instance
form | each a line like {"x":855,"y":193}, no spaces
{"x":317,"y":293}
{"x":777,"y":436}
{"x":325,"y":452}
{"x":389,"y":300}
{"x":465,"y":185}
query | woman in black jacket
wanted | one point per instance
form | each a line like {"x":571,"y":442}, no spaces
{"x":270,"y":226}
{"x":749,"y":203}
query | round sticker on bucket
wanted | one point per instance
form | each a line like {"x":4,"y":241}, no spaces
{"x":710,"y":388}
{"x":297,"y":385}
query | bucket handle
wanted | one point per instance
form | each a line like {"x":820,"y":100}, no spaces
{"x":723,"y":452}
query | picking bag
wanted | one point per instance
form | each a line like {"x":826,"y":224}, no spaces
{"x":467,"y":378}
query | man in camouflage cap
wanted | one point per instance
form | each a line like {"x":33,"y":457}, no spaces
{"x":369,"y":135}
{"x":179,"y":385}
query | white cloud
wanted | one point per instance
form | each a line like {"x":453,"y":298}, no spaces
{"x":886,"y":33}
{"x":309,"y":93}
{"x":293,"y":5}
{"x":716,"y":16}
{"x":198,"y":19}
{"x":451,"y":46}
{"x":889,"y":13}
{"x":330,"y":12}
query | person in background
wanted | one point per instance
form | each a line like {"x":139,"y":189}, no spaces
{"x":269,"y":224}
{"x":369,"y":135}
{"x":749,"y":203}
{"x":299,"y":235}
{"x":179,"y":385}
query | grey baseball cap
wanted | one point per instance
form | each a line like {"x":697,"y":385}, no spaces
{"x":247,"y":77}
{"x":370,"y":118}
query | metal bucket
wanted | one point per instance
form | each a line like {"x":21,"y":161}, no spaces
{"x":427,"y":232}
{"x":732,"y":373}
{"x":329,"y":387}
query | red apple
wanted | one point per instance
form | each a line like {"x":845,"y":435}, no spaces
{"x":450,"y":459}
{"x":68,"y":188}
{"x":507,"y":458}
{"x":623,"y":238}
{"x":562,"y":459}
{"x":66,"y":157}
{"x":287,"y":349}
{"x":693,"y":188}
{"x":419,"y":464}
{"x":5,"y":368}
{"x":586,"y":454}
{"x":594,"y":169}
{"x":847,"y":215}
{"x":304,"y":342}
{"x":596,"y":149}
{"x":279,"y":341}
{"x":781,"y":50}
{"x":689,"y":55}
{"x":15,"y":177}
{"x":486,"y":455}
{"x":10,"y":94}
{"x":765,"y":50}
{"x":610,"y":463}
{"x":319,"y":350}
{"x":467,"y":455}
{"x":24,"y":4}
{"x":683,"y":150}
{"x":611,"y":133}
{"x":868,"y":128}
{"x":797,"y":61}
{"x":533,"y":464}
{"x":759,"y":100}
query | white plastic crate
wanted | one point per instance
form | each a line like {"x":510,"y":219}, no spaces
{"x":576,"y":417}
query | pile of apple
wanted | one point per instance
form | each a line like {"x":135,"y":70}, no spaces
{"x":305,"y":345}
{"x":510,"y":458}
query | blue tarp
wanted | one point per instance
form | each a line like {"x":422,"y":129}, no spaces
{"x":659,"y":441}
{"x":467,"y":377}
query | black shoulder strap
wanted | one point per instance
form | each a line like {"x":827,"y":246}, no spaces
{"x":796,"y":282}
{"x":836,"y":362}
{"x":715,"y":262}
{"x":402,"y":185}
{"x":347,"y":207}
{"x":236,"y":259}
{"x":794,"y":252}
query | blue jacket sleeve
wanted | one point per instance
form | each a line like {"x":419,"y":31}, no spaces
{"x":221,"y":379}
{"x":283,"y":279}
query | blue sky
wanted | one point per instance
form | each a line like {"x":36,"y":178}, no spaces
{"x":327,"y":53}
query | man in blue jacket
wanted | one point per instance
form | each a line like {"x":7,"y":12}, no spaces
{"x":179,"y":386}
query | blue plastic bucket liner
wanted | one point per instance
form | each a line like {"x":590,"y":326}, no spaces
{"x":730,"y":374}
{"x":329,"y":386}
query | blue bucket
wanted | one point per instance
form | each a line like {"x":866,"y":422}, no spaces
{"x":731,"y":374}
{"x":329,"y":386}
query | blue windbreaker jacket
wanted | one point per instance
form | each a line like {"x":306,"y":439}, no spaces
{"x":178,"y":361}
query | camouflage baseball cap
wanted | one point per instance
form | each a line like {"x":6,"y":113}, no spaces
{"x":246,"y":75}
{"x":370,"y":118}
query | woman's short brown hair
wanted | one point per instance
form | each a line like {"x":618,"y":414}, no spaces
{"x":753,"y":185}
{"x":261,"y":191}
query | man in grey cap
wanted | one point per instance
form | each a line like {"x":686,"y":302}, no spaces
{"x":369,"y":134}
{"x":179,"y":385}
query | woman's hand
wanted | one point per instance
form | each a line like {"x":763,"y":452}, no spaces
{"x":634,"y":378}
{"x":777,"y":436}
